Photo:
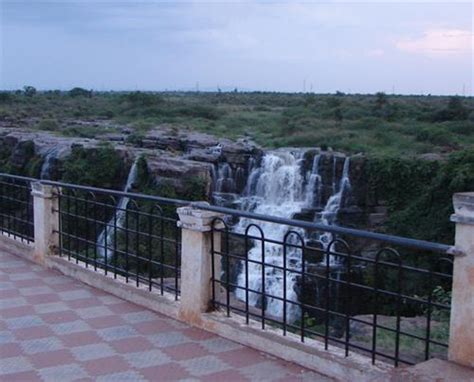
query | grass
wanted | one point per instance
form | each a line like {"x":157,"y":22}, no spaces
{"x":376,"y":124}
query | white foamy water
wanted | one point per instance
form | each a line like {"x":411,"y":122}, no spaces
{"x":315,"y":184}
{"x":275,"y":189}
{"x":333,"y":205}
{"x":50,"y":156}
{"x":107,"y":236}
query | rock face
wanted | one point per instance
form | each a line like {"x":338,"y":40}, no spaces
{"x":174,"y":172}
{"x":173,"y":158}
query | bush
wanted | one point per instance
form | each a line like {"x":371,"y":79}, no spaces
{"x":80,"y":92}
{"x":455,"y":111}
{"x":419,"y":193}
{"x":48,"y":124}
{"x":461,"y":127}
{"x":135,"y":139}
{"x":5,"y":97}
{"x":143,"y":99}
{"x":29,"y":91}
{"x":96,"y":167}
{"x":198,"y":111}
{"x":435,"y":136}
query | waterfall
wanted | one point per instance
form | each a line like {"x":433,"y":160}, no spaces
{"x":223,"y":183}
{"x":334,"y":203}
{"x":334,"y":175}
{"x":50,"y":156}
{"x":275,"y":189}
{"x":314,"y":187}
{"x":278,"y":186}
{"x":108,"y":234}
{"x":253,"y":175}
{"x":225,"y":178}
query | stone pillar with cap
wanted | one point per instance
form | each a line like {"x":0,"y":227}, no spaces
{"x":461,"y":336}
{"x":196,"y":260}
{"x":46,"y":221}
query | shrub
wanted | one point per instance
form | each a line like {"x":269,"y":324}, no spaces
{"x":436,"y":136}
{"x":143,"y":99}
{"x":5,"y":97}
{"x":135,"y":139}
{"x":80,"y":92}
{"x":455,"y":111}
{"x":48,"y":124}
{"x":29,"y":91}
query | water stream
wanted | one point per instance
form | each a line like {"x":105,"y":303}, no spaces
{"x":329,"y":214}
{"x":277,"y":190}
{"x":107,"y":236}
{"x":277,"y":187}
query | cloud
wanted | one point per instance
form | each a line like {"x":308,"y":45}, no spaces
{"x":439,"y":42}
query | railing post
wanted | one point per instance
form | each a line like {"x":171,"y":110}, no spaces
{"x":461,"y":335}
{"x":196,"y":261}
{"x":46,"y":221}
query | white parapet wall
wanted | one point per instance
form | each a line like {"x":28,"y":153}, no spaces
{"x":461,"y":335}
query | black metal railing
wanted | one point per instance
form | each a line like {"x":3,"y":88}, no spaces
{"x":125,"y":234}
{"x":16,"y":207}
{"x":383,"y":296}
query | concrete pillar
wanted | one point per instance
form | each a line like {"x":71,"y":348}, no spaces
{"x":46,"y":221}
{"x":461,"y":340}
{"x":196,"y":261}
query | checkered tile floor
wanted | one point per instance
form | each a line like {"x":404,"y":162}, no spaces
{"x":54,"y":328}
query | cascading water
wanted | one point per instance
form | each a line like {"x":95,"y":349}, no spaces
{"x":107,"y":235}
{"x":275,"y":189}
{"x":225,"y":178}
{"x":314,"y":186}
{"x":223,"y":183}
{"x":329,"y":214}
{"x":48,"y":159}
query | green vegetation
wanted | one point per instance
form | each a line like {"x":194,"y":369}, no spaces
{"x":419,"y":192}
{"x":376,"y":124}
{"x":100,"y":167}
{"x":26,"y":162}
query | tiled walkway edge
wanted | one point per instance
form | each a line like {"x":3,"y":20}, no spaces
{"x":55,"y":328}
{"x":310,"y":354}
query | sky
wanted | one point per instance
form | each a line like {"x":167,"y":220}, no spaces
{"x":397,"y":47}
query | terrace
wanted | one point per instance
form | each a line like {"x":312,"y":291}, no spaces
{"x":135,"y":287}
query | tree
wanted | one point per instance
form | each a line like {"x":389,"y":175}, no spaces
{"x":5,"y":97}
{"x":455,"y":111}
{"x":80,"y":92}
{"x":30,"y":91}
{"x":143,"y":99}
{"x":380,"y":100}
{"x":338,"y":114}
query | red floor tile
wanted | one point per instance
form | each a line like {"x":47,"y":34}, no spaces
{"x":185,"y":351}
{"x":167,"y":372}
{"x":108,"y":365}
{"x":131,"y":345}
{"x":52,"y":358}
